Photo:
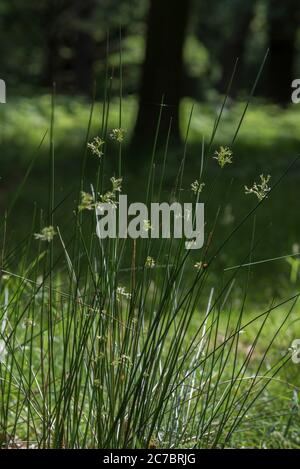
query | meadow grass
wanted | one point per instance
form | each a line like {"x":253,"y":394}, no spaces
{"x":268,"y":133}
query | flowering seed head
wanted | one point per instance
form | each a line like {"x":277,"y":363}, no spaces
{"x":87,"y":201}
{"x":147,"y":225}
{"x":121,"y":291}
{"x":223,"y":156}
{"x":96,"y":146}
{"x":150,"y":262}
{"x":260,"y":189}
{"x":117,"y":134}
{"x":197,"y":187}
{"x":47,"y":234}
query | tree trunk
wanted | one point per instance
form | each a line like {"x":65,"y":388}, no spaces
{"x":236,"y":45}
{"x":163,"y":70}
{"x":51,"y":58}
{"x":66,"y":24}
{"x":283,"y":24}
{"x":84,"y":48}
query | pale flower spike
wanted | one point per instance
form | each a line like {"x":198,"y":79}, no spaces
{"x":147,"y":225}
{"x":197,"y":187}
{"x":150,"y":262}
{"x":223,"y":156}
{"x":261,"y":189}
{"x":121,"y":291}
{"x":47,"y":234}
{"x":87,"y":201}
{"x":96,"y":146}
{"x":118,"y":135}
{"x":116,"y":184}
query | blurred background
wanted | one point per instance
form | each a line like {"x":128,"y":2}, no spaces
{"x":180,"y":52}
{"x":65,"y":41}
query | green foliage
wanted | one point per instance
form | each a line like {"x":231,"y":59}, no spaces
{"x":196,"y":58}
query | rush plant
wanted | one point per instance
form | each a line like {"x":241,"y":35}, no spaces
{"x":121,"y":343}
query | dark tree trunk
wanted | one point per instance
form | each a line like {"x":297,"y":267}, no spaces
{"x":84,"y":48}
{"x":163,"y":70}
{"x":235,"y":47}
{"x":51,"y":53}
{"x":66,"y":24}
{"x":283,"y":24}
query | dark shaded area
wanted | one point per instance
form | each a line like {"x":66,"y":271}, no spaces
{"x":42,"y":40}
{"x":283,"y":19}
{"x":170,"y":49}
{"x":234,"y":48}
{"x":163,"y":70}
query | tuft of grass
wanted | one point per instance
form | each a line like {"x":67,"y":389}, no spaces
{"x":124,"y":343}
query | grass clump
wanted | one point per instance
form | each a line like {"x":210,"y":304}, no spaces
{"x":123,"y":343}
